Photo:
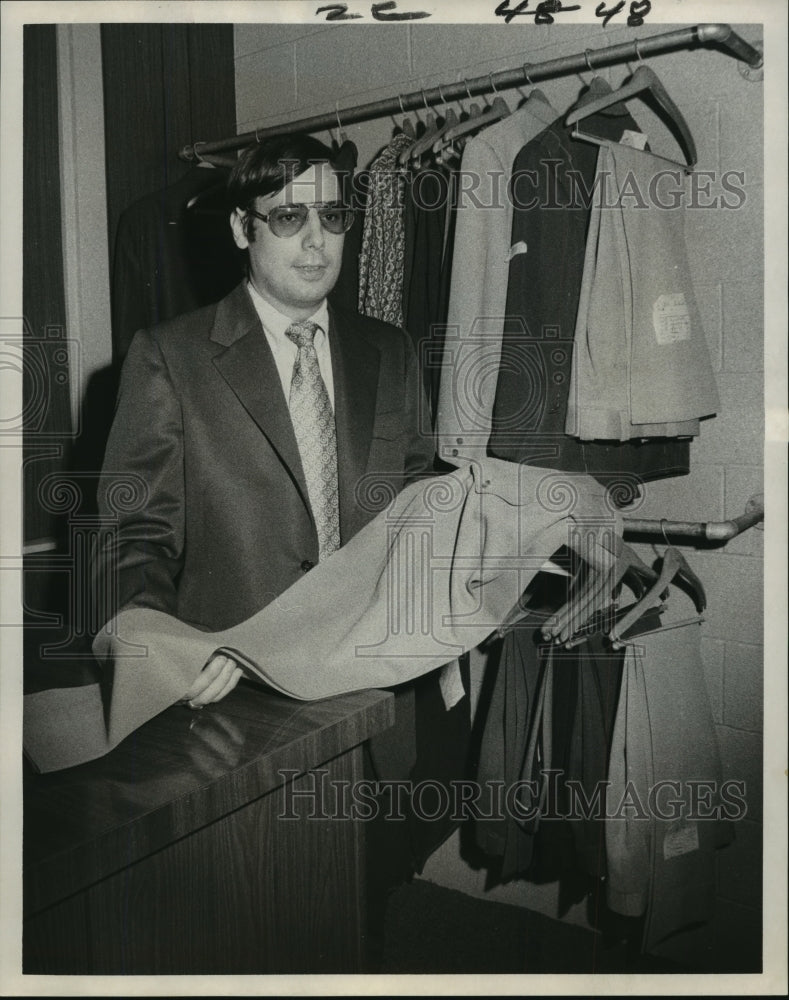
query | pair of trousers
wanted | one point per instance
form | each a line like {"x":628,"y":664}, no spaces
{"x":425,"y":581}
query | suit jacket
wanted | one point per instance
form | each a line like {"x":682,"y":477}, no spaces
{"x":478,"y":290}
{"x":171,"y":258}
{"x":533,"y":387}
{"x":202,"y":470}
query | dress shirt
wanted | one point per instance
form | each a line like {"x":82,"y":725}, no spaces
{"x":282,"y":347}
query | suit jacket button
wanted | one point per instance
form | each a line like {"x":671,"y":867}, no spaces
{"x":306,"y":566}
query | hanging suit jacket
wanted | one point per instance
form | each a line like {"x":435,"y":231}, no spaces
{"x":170,"y":258}
{"x":218,"y":522}
{"x":549,"y":229}
{"x":222,"y":524}
{"x":427,"y":203}
{"x":478,"y":290}
{"x":641,"y":366}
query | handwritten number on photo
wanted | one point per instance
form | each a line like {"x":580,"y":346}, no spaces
{"x":542,"y":14}
{"x":638,"y":11}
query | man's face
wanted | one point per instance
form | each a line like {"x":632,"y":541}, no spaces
{"x":294,"y":273}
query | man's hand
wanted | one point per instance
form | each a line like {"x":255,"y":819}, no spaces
{"x":217,"y":679}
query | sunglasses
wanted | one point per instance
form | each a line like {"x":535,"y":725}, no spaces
{"x":287,"y":220}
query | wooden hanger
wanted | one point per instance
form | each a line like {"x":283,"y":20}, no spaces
{"x":673,"y":565}
{"x":591,"y":610}
{"x":407,"y":126}
{"x":686,"y":578}
{"x":497,"y":110}
{"x":415,"y":151}
{"x":450,"y":120}
{"x":644,"y":80}
{"x":534,"y":92}
{"x":432,"y":136}
{"x":342,"y":138}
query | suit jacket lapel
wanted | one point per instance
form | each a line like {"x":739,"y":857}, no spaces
{"x":355,"y":364}
{"x":248,"y":367}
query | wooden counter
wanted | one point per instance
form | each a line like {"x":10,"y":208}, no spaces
{"x":175,"y":854}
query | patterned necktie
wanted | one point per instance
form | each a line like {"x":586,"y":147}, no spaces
{"x":313,"y":424}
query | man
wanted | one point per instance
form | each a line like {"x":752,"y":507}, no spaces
{"x":267,"y":430}
{"x":210,"y":418}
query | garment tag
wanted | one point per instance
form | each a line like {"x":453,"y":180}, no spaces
{"x":517,"y":248}
{"x":681,"y":838}
{"x":638,"y":140}
{"x":671,"y":319}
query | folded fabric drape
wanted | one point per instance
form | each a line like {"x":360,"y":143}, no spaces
{"x":429,"y":578}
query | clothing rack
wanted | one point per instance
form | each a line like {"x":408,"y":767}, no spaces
{"x":720,"y":36}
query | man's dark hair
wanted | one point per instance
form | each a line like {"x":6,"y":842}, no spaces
{"x":269,"y":166}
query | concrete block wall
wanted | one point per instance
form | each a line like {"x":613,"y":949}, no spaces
{"x":291,"y":71}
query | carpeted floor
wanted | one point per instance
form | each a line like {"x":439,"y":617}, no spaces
{"x":431,"y":929}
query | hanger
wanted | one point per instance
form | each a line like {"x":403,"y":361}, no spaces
{"x":431,"y":139}
{"x":201,"y":200}
{"x":407,"y":126}
{"x":592,"y":609}
{"x":495,"y":112}
{"x":644,"y":80}
{"x":598,"y":88}
{"x":415,"y":152}
{"x":342,"y":137}
{"x":685,"y":578}
{"x":673,"y":565}
{"x":452,"y":148}
{"x":534,"y":92}
{"x":434,"y":140}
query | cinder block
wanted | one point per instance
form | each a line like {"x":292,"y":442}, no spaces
{"x":735,"y":599}
{"x":741,"y":391}
{"x":265,"y":83}
{"x":742,"y":139}
{"x":743,"y":686}
{"x":708,"y":70}
{"x":726,"y":244}
{"x":457,"y":48}
{"x":696,"y":497}
{"x":249,"y":38}
{"x":363,"y":59}
{"x":743,"y":326}
{"x":741,"y":757}
{"x":736,"y":435}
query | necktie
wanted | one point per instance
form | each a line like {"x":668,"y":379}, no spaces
{"x":313,"y":424}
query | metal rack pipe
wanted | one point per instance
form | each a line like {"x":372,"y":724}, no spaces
{"x":711,"y":531}
{"x":721,"y":35}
